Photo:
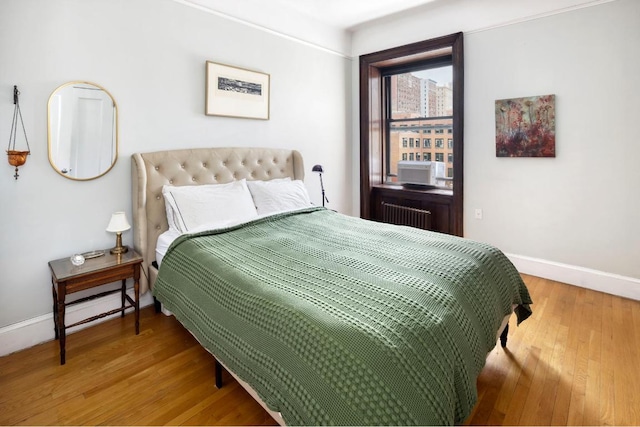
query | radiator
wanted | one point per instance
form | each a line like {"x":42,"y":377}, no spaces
{"x":404,"y":215}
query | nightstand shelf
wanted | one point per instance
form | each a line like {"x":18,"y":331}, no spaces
{"x":67,"y":278}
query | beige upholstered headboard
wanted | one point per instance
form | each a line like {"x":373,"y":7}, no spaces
{"x":150,"y":171}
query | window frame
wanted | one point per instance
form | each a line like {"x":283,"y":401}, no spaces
{"x":373,"y":67}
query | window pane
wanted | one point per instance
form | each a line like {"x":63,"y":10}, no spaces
{"x":424,"y":93}
{"x":421,"y":105}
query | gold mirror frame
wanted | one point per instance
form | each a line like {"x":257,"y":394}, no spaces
{"x":59,"y":125}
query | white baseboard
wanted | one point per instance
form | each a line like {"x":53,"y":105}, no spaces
{"x":39,"y":329}
{"x":609,"y":283}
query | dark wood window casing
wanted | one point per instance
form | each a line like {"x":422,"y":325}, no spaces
{"x":446,"y":206}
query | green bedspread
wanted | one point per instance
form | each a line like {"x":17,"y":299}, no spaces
{"x":337,"y":320}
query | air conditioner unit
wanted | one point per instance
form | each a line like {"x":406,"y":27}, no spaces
{"x":420,"y":173}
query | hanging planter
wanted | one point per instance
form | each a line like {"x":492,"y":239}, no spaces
{"x":16,"y":157}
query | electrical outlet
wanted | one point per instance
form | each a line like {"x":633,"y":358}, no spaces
{"x":478,"y":214}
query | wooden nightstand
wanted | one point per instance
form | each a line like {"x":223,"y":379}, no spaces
{"x":67,"y":278}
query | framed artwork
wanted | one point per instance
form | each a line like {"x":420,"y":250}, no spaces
{"x":236,"y":92}
{"x":526,"y":127}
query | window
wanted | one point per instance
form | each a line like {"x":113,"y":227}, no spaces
{"x":418,"y":156}
{"x":404,"y":142}
{"x":406,"y":107}
{"x":404,"y":156}
{"x":449,"y":157}
{"x":450,"y":144}
{"x":386,"y":103}
{"x":449,"y":172}
{"x":439,"y":157}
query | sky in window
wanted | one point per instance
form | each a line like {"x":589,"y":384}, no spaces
{"x":442,"y":75}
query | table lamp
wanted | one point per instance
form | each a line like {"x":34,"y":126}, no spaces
{"x":117,"y":225}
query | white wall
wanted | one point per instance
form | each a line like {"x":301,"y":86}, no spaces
{"x":150,"y":55}
{"x":580,"y":208}
{"x":577,"y":212}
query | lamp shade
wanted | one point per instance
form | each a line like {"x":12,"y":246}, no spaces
{"x":118,"y":223}
{"x":317,"y":168}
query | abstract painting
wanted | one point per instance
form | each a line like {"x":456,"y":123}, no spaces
{"x":526,"y":127}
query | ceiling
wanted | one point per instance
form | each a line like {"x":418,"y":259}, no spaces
{"x":342,"y":14}
{"x":330,"y":23}
{"x":347,"y":14}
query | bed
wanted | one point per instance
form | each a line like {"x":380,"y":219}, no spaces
{"x":322,"y":317}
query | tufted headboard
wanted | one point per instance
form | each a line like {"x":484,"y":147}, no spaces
{"x":150,"y":171}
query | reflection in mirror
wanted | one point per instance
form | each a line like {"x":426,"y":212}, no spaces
{"x":83,"y":130}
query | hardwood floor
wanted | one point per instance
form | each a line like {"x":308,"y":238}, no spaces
{"x":576,"y":361}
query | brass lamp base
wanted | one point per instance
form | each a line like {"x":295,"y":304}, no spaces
{"x":119,"y":249}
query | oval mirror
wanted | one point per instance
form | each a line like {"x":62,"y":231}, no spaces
{"x":82,"y":130}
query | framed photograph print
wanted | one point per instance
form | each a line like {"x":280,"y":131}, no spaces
{"x":236,"y":92}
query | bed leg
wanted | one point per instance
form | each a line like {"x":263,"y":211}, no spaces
{"x":218,"y":375}
{"x":503,"y":336}
{"x":157,"y":305}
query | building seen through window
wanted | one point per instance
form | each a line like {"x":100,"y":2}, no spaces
{"x":420,"y":107}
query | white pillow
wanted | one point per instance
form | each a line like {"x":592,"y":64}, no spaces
{"x":168,"y":207}
{"x":278,"y":195}
{"x":192,"y":206}
{"x":274,"y":180}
